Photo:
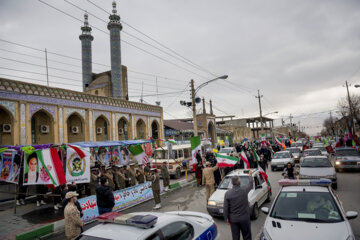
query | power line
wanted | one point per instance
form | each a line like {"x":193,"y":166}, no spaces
{"x":8,"y":75}
{"x":152,"y":95}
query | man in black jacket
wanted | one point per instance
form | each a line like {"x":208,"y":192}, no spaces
{"x":104,"y":195}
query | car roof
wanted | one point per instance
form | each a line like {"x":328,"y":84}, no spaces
{"x":319,"y":156}
{"x":283,"y":152}
{"x":346,"y":148}
{"x":311,"y":149}
{"x":293,"y":148}
{"x":241,"y":172}
{"x":307,"y":188}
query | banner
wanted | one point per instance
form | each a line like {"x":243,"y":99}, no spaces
{"x":148,"y":149}
{"x":43,"y":167}
{"x":115,"y":155}
{"x":77,"y":167}
{"x":123,"y":199}
{"x":9,"y":170}
{"x":139,"y":154}
{"x":124,"y":156}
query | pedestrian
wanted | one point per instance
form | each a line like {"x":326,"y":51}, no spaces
{"x":132,"y":175}
{"x":120,"y":177}
{"x":41,"y":190}
{"x":22,"y":188}
{"x":110,"y":177}
{"x":208,"y":179}
{"x":57,"y":199}
{"x":104,"y":195}
{"x":236,"y":208}
{"x":93,"y":177}
{"x":263,"y":162}
{"x":155,"y":186}
{"x":165,"y":176}
{"x":198,"y":173}
{"x":73,"y":223}
{"x":198,"y":156}
{"x":140,"y":176}
{"x":147,"y":171}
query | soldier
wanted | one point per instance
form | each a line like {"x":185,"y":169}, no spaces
{"x":147,"y":171}
{"x":115,"y":180}
{"x":155,"y":180}
{"x":132,"y":175}
{"x":110,"y":178}
{"x":165,"y":176}
{"x":208,"y":179}
{"x":93,"y":177}
{"x":73,"y":223}
{"x":140,"y":177}
{"x":120,"y":177}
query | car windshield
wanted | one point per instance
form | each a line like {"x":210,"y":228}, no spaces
{"x":226,"y":183}
{"x":347,"y":152}
{"x":306,"y":206}
{"x":294,"y":150}
{"x":282,"y":155}
{"x":225,"y":150}
{"x":314,"y":152}
{"x":316,"y":162}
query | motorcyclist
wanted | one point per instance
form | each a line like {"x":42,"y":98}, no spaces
{"x":289,"y":171}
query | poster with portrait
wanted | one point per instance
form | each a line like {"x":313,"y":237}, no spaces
{"x":9,"y":170}
{"x":115,"y":155}
{"x":77,"y":165}
{"x":43,"y":167}
{"x":124,"y":156}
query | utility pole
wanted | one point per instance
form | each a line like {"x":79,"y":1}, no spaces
{"x":291,"y":126}
{"x":261,"y":120}
{"x":299,"y":125}
{"x":47,"y":69}
{"x":351,"y":109}
{"x":194,"y":107}
{"x":142,"y":90}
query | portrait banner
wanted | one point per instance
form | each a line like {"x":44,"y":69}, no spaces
{"x":8,"y":170}
{"x":124,"y":156}
{"x":77,"y":165}
{"x":123,"y":199}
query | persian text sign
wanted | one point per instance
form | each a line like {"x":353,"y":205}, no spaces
{"x":123,"y":198}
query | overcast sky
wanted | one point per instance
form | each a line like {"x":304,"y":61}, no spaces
{"x":298,"y":53}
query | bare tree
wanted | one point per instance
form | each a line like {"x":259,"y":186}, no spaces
{"x":350,"y":108}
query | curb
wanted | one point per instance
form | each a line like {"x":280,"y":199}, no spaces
{"x":47,"y":230}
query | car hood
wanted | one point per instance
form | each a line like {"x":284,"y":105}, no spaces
{"x":306,"y":230}
{"x":281,"y":160}
{"x":348,"y":158}
{"x":317,"y":171}
{"x":219,"y":194}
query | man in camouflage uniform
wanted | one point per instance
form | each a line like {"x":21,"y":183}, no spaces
{"x":120,"y":178}
{"x":147,"y":171}
{"x":110,"y":178}
{"x":93,"y":178}
{"x":140,"y":177}
{"x":165,"y":176}
{"x":73,"y":223}
{"x":132,"y":175}
{"x":155,"y":180}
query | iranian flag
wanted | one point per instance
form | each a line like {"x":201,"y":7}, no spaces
{"x":226,"y":161}
{"x":170,"y":140}
{"x":278,"y":141}
{"x":256,"y":156}
{"x":139,"y":154}
{"x":265,"y":176}
{"x":50,"y":168}
{"x":195,"y":147}
{"x":263,"y":139}
{"x":244,"y":158}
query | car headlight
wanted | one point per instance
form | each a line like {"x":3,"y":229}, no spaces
{"x":350,"y":237}
{"x":212,"y":203}
{"x":337,"y":163}
{"x":265,"y":235}
{"x":331,"y":176}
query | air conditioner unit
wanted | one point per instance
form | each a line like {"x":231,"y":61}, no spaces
{"x":121,"y":131}
{"x":75,"y":129}
{"x":6,"y":128}
{"x":44,"y":128}
{"x":99,"y":130}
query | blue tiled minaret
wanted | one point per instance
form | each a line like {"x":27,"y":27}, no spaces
{"x":115,"y":27}
{"x":86,"y":39}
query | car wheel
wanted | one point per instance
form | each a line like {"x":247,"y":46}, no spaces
{"x":334,"y":185}
{"x":255,"y":212}
{"x":268,"y":199}
{"x":177,"y":173}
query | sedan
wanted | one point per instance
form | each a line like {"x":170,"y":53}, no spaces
{"x":296,"y":152}
{"x":347,"y":158}
{"x":280,"y":160}
{"x":318,"y":167}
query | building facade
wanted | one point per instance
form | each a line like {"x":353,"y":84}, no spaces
{"x":36,"y":114}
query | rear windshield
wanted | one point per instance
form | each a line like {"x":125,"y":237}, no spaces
{"x":282,"y":155}
{"x":316,"y":162}
{"x":226,"y":183}
{"x":313,"y":152}
{"x":347,"y":152}
{"x":294,"y":150}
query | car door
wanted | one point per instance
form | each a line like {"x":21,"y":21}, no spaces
{"x":258,"y":190}
{"x":264,"y":189}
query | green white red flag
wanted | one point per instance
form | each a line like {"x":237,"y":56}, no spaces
{"x":256,"y":156}
{"x":245,"y":160}
{"x":265,"y":176}
{"x":226,"y":161}
{"x":263,"y":139}
{"x":139,"y":154}
{"x":195,"y":147}
{"x":278,"y":141}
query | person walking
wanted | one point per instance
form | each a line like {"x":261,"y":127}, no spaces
{"x":208,"y":179}
{"x":155,"y":186}
{"x":73,"y":223}
{"x":147,"y":171}
{"x":198,"y":173}
{"x":165,"y":176}
{"x":236,"y":208}
{"x":104,"y":195}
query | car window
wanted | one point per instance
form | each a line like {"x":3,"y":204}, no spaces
{"x":256,"y":180}
{"x":282,"y":155}
{"x":306,"y":206}
{"x":86,"y":237}
{"x":178,"y":231}
{"x":261,"y":178}
{"x":347,"y":152}
{"x":316,"y":162}
{"x":295,"y":150}
{"x":226,"y":182}
{"x":187,"y":152}
{"x":180,"y":153}
{"x":155,"y":236}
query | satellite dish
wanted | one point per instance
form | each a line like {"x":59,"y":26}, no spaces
{"x":158,"y":103}
{"x":197,"y":100}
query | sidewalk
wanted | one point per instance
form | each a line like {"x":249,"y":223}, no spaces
{"x":31,"y":221}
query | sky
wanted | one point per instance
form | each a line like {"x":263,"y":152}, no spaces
{"x":297,"y":53}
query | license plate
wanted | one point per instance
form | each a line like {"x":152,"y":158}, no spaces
{"x":279,"y":166}
{"x":220,"y":210}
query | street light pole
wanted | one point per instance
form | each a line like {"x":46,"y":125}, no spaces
{"x":261,"y":120}
{"x":194,"y":107}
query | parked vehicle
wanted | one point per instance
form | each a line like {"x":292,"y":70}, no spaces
{"x":347,"y":158}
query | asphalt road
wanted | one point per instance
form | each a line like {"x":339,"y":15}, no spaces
{"x":192,"y":198}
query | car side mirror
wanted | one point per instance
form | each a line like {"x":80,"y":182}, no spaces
{"x":258,"y":187}
{"x":351,"y":214}
{"x":265,"y":210}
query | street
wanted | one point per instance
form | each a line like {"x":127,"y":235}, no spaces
{"x":192,"y":198}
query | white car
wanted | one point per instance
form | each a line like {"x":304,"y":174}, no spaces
{"x":257,"y":196}
{"x":323,"y":150}
{"x":280,"y":160}
{"x":169,"y":225}
{"x":318,"y":167}
{"x":307,"y":209}
{"x":227,"y":151}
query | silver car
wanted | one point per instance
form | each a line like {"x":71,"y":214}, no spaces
{"x":296,"y":152}
{"x":257,"y":196}
{"x":316,"y":167}
{"x":280,"y":160}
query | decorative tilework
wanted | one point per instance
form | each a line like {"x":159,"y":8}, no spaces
{"x":120,"y":115}
{"x":22,"y":124}
{"x":91,"y":125}
{"x":61,"y":126}
{"x":133,"y":125}
{"x":105,"y":114}
{"x":36,"y":107}
{"x":137,"y":117}
{"x":69,"y":111}
{"x":10,"y":106}
{"x":70,"y":103}
{"x":113,"y":126}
